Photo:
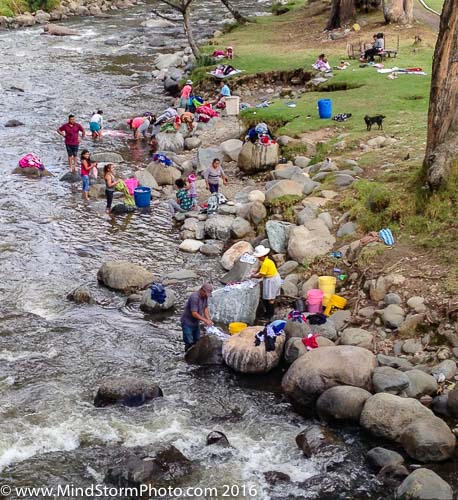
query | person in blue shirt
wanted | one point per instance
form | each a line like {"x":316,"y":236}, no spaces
{"x":224,"y":92}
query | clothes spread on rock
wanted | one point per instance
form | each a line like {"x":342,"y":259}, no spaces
{"x":269,"y":335}
{"x":158,"y":293}
{"x":162,"y":159}
{"x":317,"y":319}
{"x":214,"y":330}
{"x":31,"y":160}
{"x":240,"y":285}
{"x":310,"y":341}
{"x":297,"y":316}
{"x":386,"y":236}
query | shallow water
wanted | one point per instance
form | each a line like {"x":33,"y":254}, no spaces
{"x":53,"y":353}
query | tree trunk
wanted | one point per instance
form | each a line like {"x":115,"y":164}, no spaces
{"x":235,"y":13}
{"x":342,"y":11}
{"x":442,"y":142}
{"x":398,"y":11}
{"x":188,"y":31}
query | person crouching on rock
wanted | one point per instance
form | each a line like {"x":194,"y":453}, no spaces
{"x":271,"y":279}
{"x":196,"y":311}
{"x":183,"y":202}
{"x":110,"y":183}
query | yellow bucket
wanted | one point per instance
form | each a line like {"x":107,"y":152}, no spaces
{"x":327,"y":284}
{"x":335,"y":301}
{"x":235,"y":328}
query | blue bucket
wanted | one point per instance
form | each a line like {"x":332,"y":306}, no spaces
{"x":325,"y":108}
{"x":142,"y":197}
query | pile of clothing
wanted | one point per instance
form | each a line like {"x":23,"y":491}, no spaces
{"x":158,"y":293}
{"x":205,"y":113}
{"x":260,"y":134}
{"x":31,"y":160}
{"x":269,"y":335}
{"x":342,"y":117}
{"x":162,"y":159}
{"x":168,"y":121}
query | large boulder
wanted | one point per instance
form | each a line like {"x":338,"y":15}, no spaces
{"x":320,"y":369}
{"x":342,"y":403}
{"x":35,"y":172}
{"x":234,"y":253}
{"x":420,"y":383}
{"x":278,"y":235}
{"x":255,"y":158}
{"x":283,"y":188}
{"x":170,"y":141}
{"x":165,"y":61}
{"x":107,"y":157}
{"x":390,"y":380}
{"x":239,"y":272}
{"x":149,"y":305}
{"x":146,"y":179}
{"x":126,"y":390}
{"x":428,"y":439}
{"x":302,"y":329}
{"x":231,"y":149}
{"x":240,"y":227}
{"x":190,"y":245}
{"x":387,"y":415}
{"x":358,"y":337}
{"x":234,"y":305}
{"x":294,"y":347}
{"x":424,"y":484}
{"x":165,"y":176}
{"x":381,"y":457}
{"x":242,"y":355}
{"x":306,"y":243}
{"x":71,"y":177}
{"x":205,"y":157}
{"x":218,"y":227}
{"x":56,"y":30}
{"x":124,"y":276}
{"x":207,"y":351}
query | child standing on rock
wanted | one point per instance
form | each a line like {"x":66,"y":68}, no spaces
{"x":213,"y":174}
{"x":192,"y":192}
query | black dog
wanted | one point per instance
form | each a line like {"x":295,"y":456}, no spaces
{"x":372,"y":120}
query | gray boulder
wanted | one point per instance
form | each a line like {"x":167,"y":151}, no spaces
{"x":240,"y":227}
{"x":14,"y":123}
{"x":395,"y":362}
{"x":307,"y":214}
{"x":283,"y":188}
{"x":149,"y":305}
{"x":393,"y":316}
{"x":286,"y":172}
{"x":424,"y":484}
{"x":124,"y":276}
{"x":346,"y":229}
{"x":342,"y":403}
{"x":420,"y":383}
{"x":233,"y":254}
{"x":358,"y":337}
{"x":294,"y":347}
{"x":107,"y":157}
{"x":320,"y":369}
{"x":207,"y":351}
{"x":287,"y":268}
{"x":447,"y":369}
{"x":381,"y":457}
{"x":278,"y":234}
{"x":241,"y":354}
{"x":236,"y":305}
{"x":255,"y":158}
{"x":218,"y":227}
{"x":36,"y":172}
{"x":386,"y":379}
{"x":297,"y":329}
{"x":81,"y":295}
{"x":239,"y":272}
{"x":231,"y":149}
{"x":307,"y":242}
{"x":428,"y":439}
{"x":165,"y":176}
{"x":205,"y":157}
{"x":192,"y":143}
{"x":146,"y":179}
{"x":126,"y":390}
{"x":343,"y":180}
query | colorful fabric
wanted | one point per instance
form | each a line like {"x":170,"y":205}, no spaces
{"x":168,"y":128}
{"x":131,"y":184}
{"x":161,"y":158}
{"x":387,"y":236}
{"x":207,"y":110}
{"x":158,"y":293}
{"x":297,"y":316}
{"x":310,"y":341}
{"x":31,"y":160}
{"x":186,"y":91}
{"x":128,"y":198}
{"x":268,"y":268}
{"x":136,"y":122}
{"x":184,"y":199}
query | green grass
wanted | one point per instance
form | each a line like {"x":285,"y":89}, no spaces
{"x":435,"y":5}
{"x":10,"y":8}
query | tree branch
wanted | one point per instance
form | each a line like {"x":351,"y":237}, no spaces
{"x":174,"y":5}
{"x":162,"y":16}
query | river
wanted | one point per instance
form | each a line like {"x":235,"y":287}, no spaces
{"x":54,"y":353}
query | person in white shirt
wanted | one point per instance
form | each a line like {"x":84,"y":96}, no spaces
{"x":96,"y":124}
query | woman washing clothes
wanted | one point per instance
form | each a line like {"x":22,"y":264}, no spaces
{"x":271,"y":283}
{"x":110,"y":184}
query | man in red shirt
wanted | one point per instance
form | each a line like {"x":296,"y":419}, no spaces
{"x":71,"y":132}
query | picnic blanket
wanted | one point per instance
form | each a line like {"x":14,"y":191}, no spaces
{"x":221,"y":76}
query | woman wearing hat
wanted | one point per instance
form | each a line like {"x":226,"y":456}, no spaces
{"x":186,"y":94}
{"x":271,"y":279}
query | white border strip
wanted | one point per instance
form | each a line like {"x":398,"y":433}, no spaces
{"x":427,"y":7}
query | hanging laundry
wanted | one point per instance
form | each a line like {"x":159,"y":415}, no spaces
{"x":158,"y":293}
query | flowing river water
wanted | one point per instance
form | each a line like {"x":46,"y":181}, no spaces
{"x":54,"y":353}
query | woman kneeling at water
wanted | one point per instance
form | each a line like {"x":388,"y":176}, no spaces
{"x":271,"y":279}
{"x":110,"y":183}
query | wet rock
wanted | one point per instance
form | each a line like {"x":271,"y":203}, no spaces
{"x":308,"y":242}
{"x":107,"y":157}
{"x":149,"y":305}
{"x":381,"y":457}
{"x":342,"y":403}
{"x":190,"y":245}
{"x":357,"y":337}
{"x":234,"y":253}
{"x":124,"y":276}
{"x":240,"y":228}
{"x":33,"y":172}
{"x":278,"y":235}
{"x":121,"y":209}
{"x":207,"y":351}
{"x":412,"y":346}
{"x":393,"y":316}
{"x":255,"y":158}
{"x":14,"y":123}
{"x":387,"y":415}
{"x":428,"y":439}
{"x":146,"y":179}
{"x":81,"y":295}
{"x":274,"y":477}
{"x":217,"y":438}
{"x":42,"y":17}
{"x":386,"y":379}
{"x":420,"y":383}
{"x":165,"y":176}
{"x":236,"y":305}
{"x":424,"y":484}
{"x":395,"y":362}
{"x":231,"y":149}
{"x":241,"y":354}
{"x":320,"y":369}
{"x":452,"y":402}
{"x":417,"y":304}
{"x":392,"y":475}
{"x":126,"y":390}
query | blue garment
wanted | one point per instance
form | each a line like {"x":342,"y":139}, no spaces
{"x":278,"y":325}
{"x":387,"y":236}
{"x":94,"y":127}
{"x":161,"y":158}
{"x":191,"y":334}
{"x":225,"y":91}
{"x":158,"y":293}
{"x":85,"y":183}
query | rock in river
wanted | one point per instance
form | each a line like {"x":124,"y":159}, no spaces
{"x":234,"y":305}
{"x":207,"y":351}
{"x":342,"y":403}
{"x":149,"y":305}
{"x":424,"y":484}
{"x":124,"y":276}
{"x":129,"y":391}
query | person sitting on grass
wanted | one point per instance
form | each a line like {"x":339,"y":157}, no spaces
{"x":183,"y":202}
{"x":322,"y":64}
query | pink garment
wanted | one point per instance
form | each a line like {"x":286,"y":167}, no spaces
{"x":136,"y":122}
{"x":207,"y":110}
{"x":131,"y":184}
{"x":31,"y":160}
{"x":186,"y":91}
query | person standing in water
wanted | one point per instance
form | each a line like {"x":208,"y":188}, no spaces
{"x":96,"y":124}
{"x":110,"y":183}
{"x":86,"y":167}
{"x":271,"y":283}
{"x":71,"y":131}
{"x":196,"y":311}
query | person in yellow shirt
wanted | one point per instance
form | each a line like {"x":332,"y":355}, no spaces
{"x":271,"y":283}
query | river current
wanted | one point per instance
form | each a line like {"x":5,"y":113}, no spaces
{"x":54,"y":353}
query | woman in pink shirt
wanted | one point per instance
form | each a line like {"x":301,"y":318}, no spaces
{"x":185,"y":94}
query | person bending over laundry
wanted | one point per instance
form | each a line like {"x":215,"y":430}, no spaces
{"x":271,"y":279}
{"x":188,"y":119}
{"x":377,"y":47}
{"x":213,"y":174}
{"x":110,"y":183}
{"x":96,"y":124}
{"x":195,"y":312}
{"x":86,"y":167}
{"x":183,"y":202}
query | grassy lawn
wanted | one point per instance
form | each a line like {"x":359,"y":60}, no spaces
{"x":435,"y":5}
